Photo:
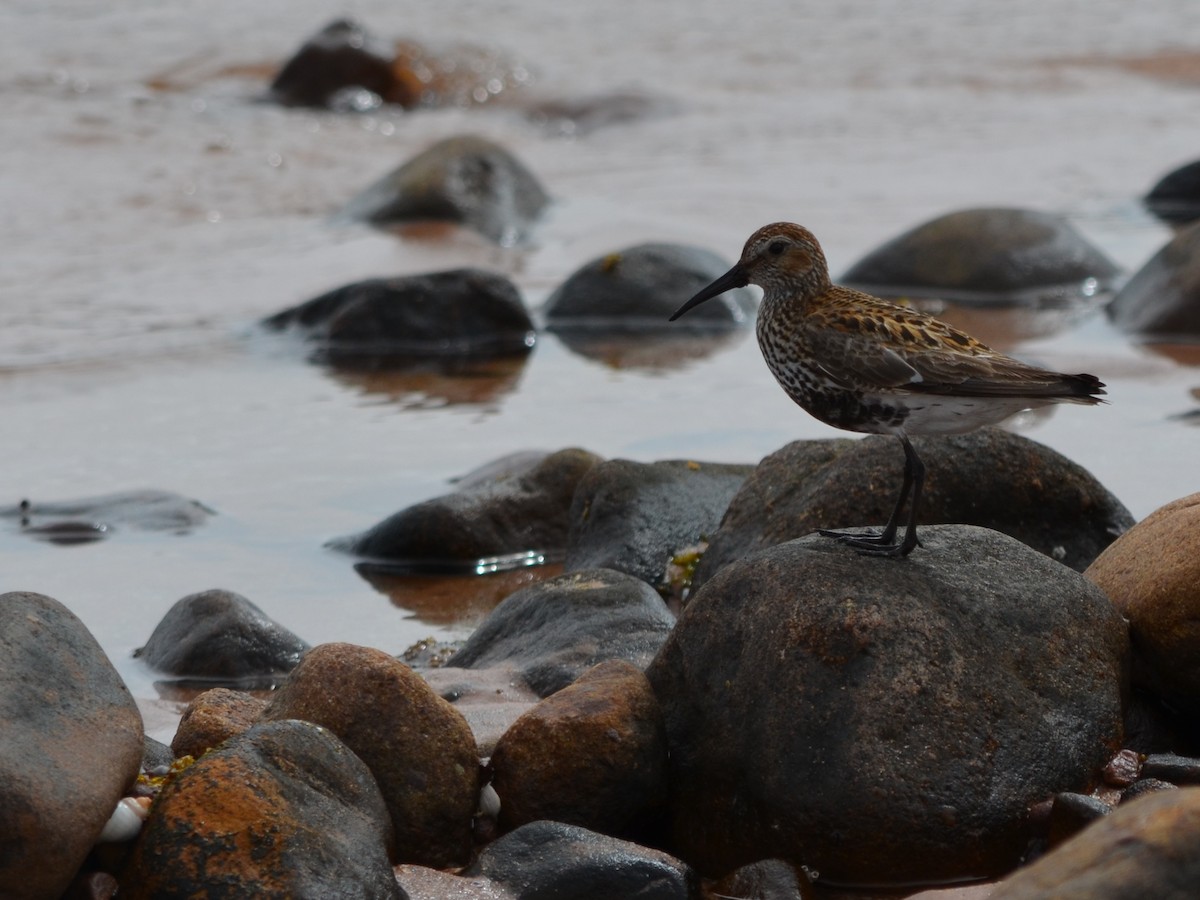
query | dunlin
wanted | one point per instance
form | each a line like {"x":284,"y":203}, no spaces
{"x":862,"y":364}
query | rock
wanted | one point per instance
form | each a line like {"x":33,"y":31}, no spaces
{"x":594,"y":754}
{"x":417,"y":746}
{"x":633,"y":517}
{"x":282,"y":810}
{"x":1162,"y":299}
{"x":515,"y":513}
{"x":1123,"y":769}
{"x":990,"y":477}
{"x":551,"y":632}
{"x":212,"y":718}
{"x":94,"y":518}
{"x":423,"y":883}
{"x":340,"y":58}
{"x":1146,"y":786}
{"x":71,"y":739}
{"x":156,"y":756}
{"x":1172,"y":767}
{"x":381,"y":322}
{"x":767,"y":879}
{"x":1071,"y":813}
{"x":490,"y":699}
{"x":464,"y":179}
{"x":221,"y":635}
{"x":640,"y":287}
{"x":1175,"y":198}
{"x":1150,"y":574}
{"x":819,"y":703}
{"x":1144,"y":849}
{"x":987,"y":256}
{"x":566,"y":862}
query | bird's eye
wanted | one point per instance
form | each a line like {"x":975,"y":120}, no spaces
{"x":776,"y":247}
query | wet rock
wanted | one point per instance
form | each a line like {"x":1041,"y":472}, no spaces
{"x":1150,"y":574}
{"x":594,"y":754}
{"x":1175,"y":198}
{"x":551,"y":632}
{"x":156,"y":756}
{"x":1171,"y":767}
{"x":417,"y":746}
{"x":72,"y":743}
{"x":767,"y":879}
{"x":340,"y":58}
{"x":990,"y":477}
{"x":566,"y":862}
{"x":640,"y":287}
{"x":94,"y":518}
{"x":212,"y":718}
{"x":987,"y":256}
{"x":806,"y":682}
{"x":633,"y":517}
{"x":221,"y":636}
{"x":523,"y":510}
{"x":282,"y":810}
{"x":1144,"y":849}
{"x":459,"y":314}
{"x":1162,"y":299}
{"x":465,"y":179}
{"x":1071,"y":813}
{"x":423,"y":883}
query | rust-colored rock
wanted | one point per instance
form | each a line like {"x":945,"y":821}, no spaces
{"x":1152,"y":575}
{"x":213,"y":717}
{"x":283,"y":810}
{"x":594,"y":754}
{"x":1146,"y":848}
{"x":420,"y":750}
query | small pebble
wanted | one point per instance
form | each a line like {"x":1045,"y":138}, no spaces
{"x":126,"y":821}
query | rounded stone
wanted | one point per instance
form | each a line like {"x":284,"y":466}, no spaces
{"x":1151,"y":574}
{"x":1175,"y":197}
{"x":987,"y":256}
{"x":885,"y":721}
{"x":70,"y":744}
{"x":641,"y":286}
{"x":418,"y":747}
{"x":1162,"y":299}
{"x":212,"y":718}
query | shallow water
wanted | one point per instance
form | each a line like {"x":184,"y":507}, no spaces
{"x":154,"y":211}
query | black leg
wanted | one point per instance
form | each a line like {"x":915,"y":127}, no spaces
{"x":884,"y":543}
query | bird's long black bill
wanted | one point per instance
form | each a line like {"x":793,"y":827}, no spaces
{"x":734,"y":278}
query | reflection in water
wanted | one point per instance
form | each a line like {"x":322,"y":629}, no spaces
{"x":438,"y":384}
{"x":655,"y":350}
{"x":453,"y":599}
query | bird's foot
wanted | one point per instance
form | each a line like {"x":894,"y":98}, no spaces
{"x":860,"y":538}
{"x":872,"y":544}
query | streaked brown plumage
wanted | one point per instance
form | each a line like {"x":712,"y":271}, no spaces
{"x":862,"y":364}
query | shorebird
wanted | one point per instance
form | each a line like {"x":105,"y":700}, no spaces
{"x":862,"y":364}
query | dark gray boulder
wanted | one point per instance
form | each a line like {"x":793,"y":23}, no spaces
{"x":70,"y":744}
{"x":885,"y":721}
{"x":284,"y":809}
{"x":460,"y":314}
{"x":633,"y":517}
{"x":1162,"y":299}
{"x":465,"y":179}
{"x":990,"y":477}
{"x":552,"y":631}
{"x":640,"y":287}
{"x":544,"y":860}
{"x":987,"y":256}
{"x":218,"y":635}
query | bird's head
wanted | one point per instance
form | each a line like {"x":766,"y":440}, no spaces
{"x":779,"y":258}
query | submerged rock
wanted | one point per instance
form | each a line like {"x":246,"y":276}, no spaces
{"x":283,"y":810}
{"x":1144,"y":849}
{"x":634,"y":517}
{"x":1162,"y":299}
{"x":520,"y":510}
{"x":885,"y":721}
{"x":990,"y":477}
{"x":551,"y":632}
{"x":1150,"y":574}
{"x":381,"y":322}
{"x":594,"y":754}
{"x":640,"y":287}
{"x":417,"y":746}
{"x":987,"y":256}
{"x":1175,"y":198}
{"x":93,"y":518}
{"x":71,"y":739}
{"x":566,"y":862}
{"x":221,"y":636}
{"x":464,"y":179}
